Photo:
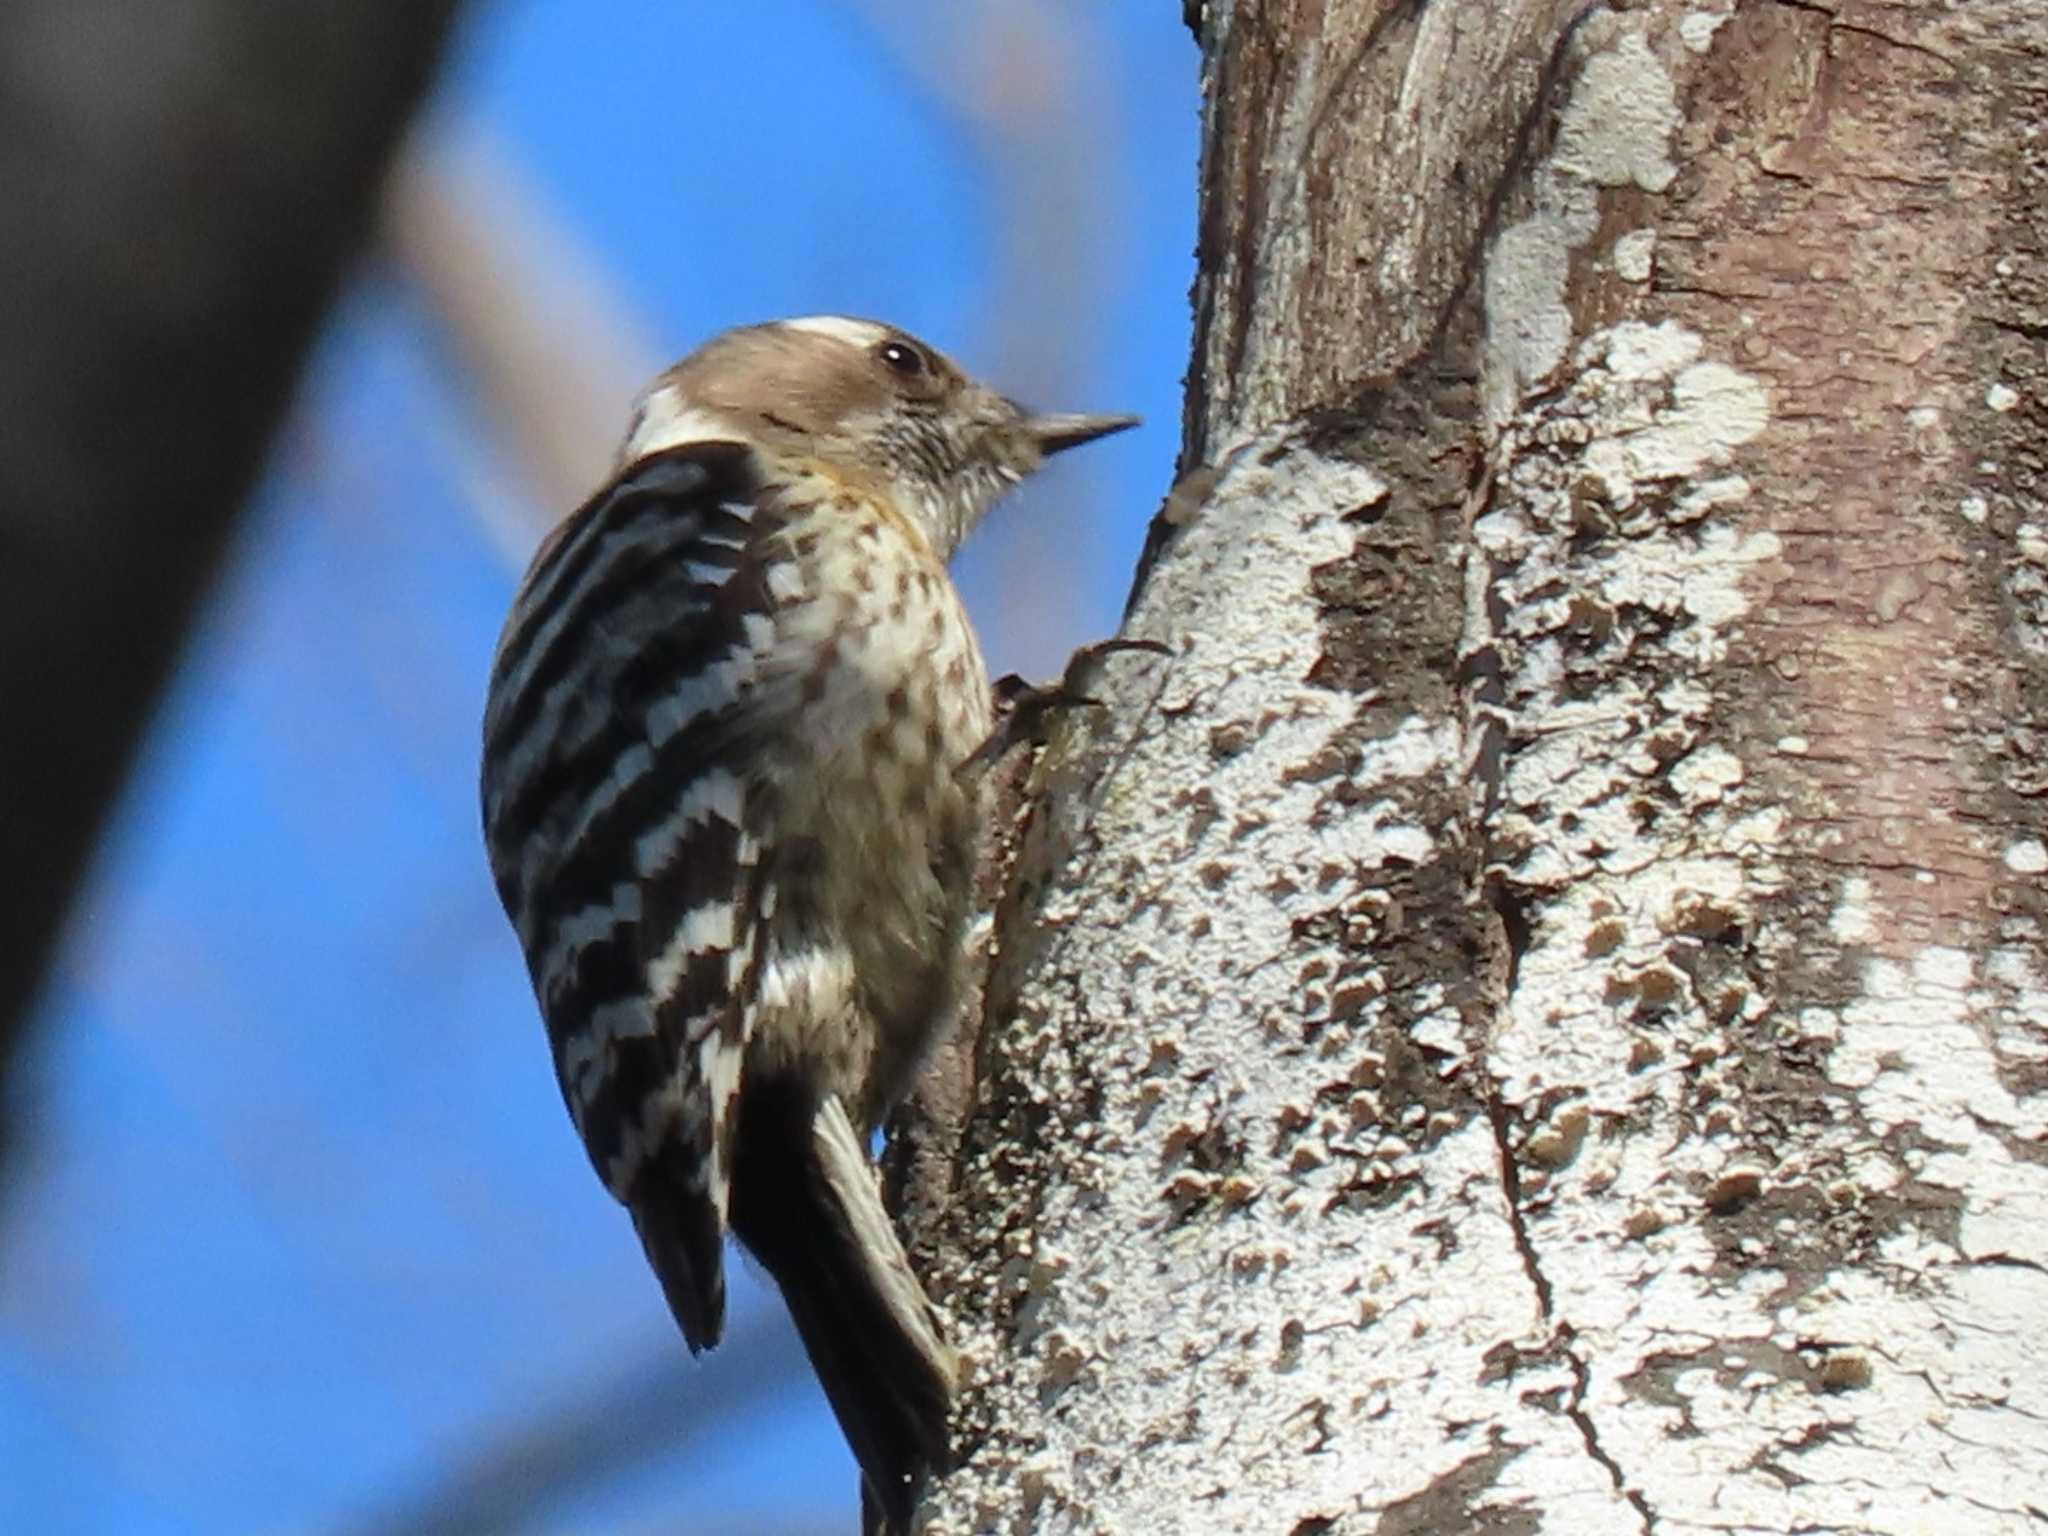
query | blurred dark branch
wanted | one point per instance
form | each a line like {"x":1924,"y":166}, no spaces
{"x":182,"y":186}
{"x":641,"y":1417}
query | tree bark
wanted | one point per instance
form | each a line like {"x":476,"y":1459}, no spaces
{"x":185,"y":182}
{"x":1536,"y":1018}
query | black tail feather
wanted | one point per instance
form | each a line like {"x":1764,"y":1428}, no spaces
{"x":806,"y":1205}
{"x":685,"y":1244}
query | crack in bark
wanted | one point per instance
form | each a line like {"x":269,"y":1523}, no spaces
{"x":1562,"y":1334}
{"x":1511,"y":1191}
{"x":2005,"y":1261}
{"x":1837,"y":23}
{"x":1488,"y":721}
{"x":1575,"y":1410}
{"x":2030,"y":330}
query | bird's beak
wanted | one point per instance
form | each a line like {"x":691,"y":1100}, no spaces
{"x":1056,"y":434}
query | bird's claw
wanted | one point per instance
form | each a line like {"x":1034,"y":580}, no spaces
{"x":1027,"y":709}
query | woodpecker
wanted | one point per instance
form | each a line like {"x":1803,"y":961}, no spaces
{"x":725,"y":809}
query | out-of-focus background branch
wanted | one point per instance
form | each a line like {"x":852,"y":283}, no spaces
{"x":298,"y":1236}
{"x":182,"y":185}
{"x":529,"y":321}
{"x":632,"y":1416}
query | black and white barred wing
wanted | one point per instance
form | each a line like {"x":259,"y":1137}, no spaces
{"x":616,"y":815}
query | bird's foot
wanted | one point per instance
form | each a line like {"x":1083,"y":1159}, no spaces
{"x":1025,"y":711}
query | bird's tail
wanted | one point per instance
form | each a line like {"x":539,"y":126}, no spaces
{"x":818,"y":1226}
{"x":685,"y":1241}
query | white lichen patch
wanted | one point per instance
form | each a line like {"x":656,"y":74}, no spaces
{"x":1908,"y":1393}
{"x":2026,"y":580}
{"x":1685,"y":1237}
{"x":1696,"y":29}
{"x":1615,"y":130}
{"x":1634,"y":255}
{"x":1661,"y":591}
{"x":1705,"y":776}
{"x":1701,"y":1245}
{"x":1854,"y":919}
{"x":2028,"y":856}
{"x":1713,"y":409}
{"x":1948,"y":1326}
{"x":1275,"y":1162}
{"x":1528,"y":327}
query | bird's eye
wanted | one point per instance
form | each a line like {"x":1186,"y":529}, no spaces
{"x":902,"y":358}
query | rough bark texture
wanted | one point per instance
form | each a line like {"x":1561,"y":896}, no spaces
{"x":184,"y":182}
{"x":1537,"y":1017}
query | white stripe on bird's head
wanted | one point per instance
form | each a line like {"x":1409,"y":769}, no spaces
{"x":855,"y":333}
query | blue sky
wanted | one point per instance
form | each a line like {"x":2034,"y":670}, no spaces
{"x":298,"y":1230}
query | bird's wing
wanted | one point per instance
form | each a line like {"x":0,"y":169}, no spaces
{"x":625,"y":840}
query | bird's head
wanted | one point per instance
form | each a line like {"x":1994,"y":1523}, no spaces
{"x":865,"y":402}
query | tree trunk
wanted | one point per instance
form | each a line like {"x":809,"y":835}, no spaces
{"x":1533,"y":1018}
